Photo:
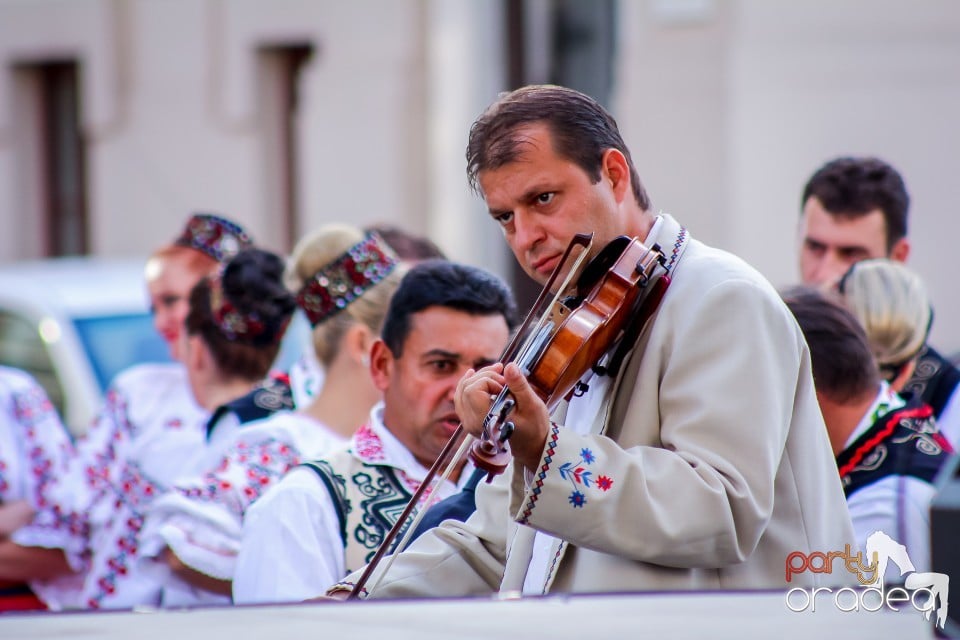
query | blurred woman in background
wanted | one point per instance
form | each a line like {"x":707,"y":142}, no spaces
{"x":145,"y":404}
{"x":344,"y":281}
{"x":891,"y":303}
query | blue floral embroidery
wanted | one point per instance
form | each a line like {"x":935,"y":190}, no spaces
{"x":577,"y":474}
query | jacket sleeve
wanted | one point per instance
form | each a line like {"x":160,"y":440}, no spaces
{"x":703,"y":497}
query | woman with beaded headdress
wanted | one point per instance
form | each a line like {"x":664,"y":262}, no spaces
{"x":236,"y":320}
{"x":145,"y":404}
{"x":306,"y":374}
{"x":344,"y":280}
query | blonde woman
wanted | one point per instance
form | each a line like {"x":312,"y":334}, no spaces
{"x":892,"y":305}
{"x":344,"y":280}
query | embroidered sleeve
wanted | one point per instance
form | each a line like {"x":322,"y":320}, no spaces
{"x":201,"y":519}
{"x":45,"y":442}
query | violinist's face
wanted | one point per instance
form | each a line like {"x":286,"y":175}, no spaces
{"x":541,"y":200}
{"x":418,"y":386}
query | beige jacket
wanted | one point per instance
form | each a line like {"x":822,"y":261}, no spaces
{"x":712,"y":466}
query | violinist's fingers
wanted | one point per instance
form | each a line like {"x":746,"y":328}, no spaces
{"x":480,"y":382}
{"x":530,"y":416}
{"x":472,"y":395}
{"x":519,"y":386}
{"x":496,"y":367}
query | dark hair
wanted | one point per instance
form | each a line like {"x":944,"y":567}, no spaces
{"x":843,"y":366}
{"x":439,"y":283}
{"x":852,"y":187}
{"x":406,"y":245}
{"x":581,"y":131}
{"x":252,"y":283}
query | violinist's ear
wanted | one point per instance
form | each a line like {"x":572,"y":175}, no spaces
{"x":615,"y":169}
{"x":381,"y":365}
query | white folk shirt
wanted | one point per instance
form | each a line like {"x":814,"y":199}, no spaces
{"x":34,"y":445}
{"x":292,"y":549}
{"x":201,"y":518}
{"x":149,"y":433}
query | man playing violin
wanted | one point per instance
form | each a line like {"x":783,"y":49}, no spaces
{"x":701,"y":463}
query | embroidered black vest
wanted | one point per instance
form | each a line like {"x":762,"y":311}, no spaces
{"x":272,"y":394}
{"x":902,"y":442}
{"x":933,"y":380}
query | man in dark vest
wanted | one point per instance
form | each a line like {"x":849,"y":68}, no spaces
{"x":888,"y":448}
{"x":853,"y":209}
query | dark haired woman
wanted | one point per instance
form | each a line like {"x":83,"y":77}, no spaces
{"x":234,"y":325}
{"x":344,"y":280}
{"x":147,"y":403}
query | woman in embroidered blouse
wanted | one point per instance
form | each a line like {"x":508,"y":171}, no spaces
{"x":211,"y":507}
{"x":146,"y":407}
{"x":232,"y":334}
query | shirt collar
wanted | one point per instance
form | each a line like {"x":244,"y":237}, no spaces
{"x":654,"y":232}
{"x":887,"y":400}
{"x":374,"y":443}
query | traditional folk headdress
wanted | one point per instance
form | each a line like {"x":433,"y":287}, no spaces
{"x":219,"y":238}
{"x":345,"y":279}
{"x":239,"y":326}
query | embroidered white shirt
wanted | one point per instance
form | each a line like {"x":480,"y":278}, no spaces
{"x":201,"y":518}
{"x":291,"y":548}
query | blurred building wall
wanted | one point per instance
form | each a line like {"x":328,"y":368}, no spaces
{"x":728,"y":107}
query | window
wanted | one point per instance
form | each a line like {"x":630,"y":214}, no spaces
{"x":52,"y":160}
{"x":279,"y":75}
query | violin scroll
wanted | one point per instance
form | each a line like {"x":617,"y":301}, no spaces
{"x":490,"y":452}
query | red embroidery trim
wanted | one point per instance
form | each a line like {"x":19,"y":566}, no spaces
{"x":884,"y":433}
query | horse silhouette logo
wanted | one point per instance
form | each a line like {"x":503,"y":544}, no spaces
{"x":884,"y":550}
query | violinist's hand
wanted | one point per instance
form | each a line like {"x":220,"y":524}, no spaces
{"x":474,"y":395}
{"x":530,"y":416}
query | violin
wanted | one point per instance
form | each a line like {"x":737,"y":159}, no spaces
{"x":576,"y":331}
{"x":590,"y":323}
